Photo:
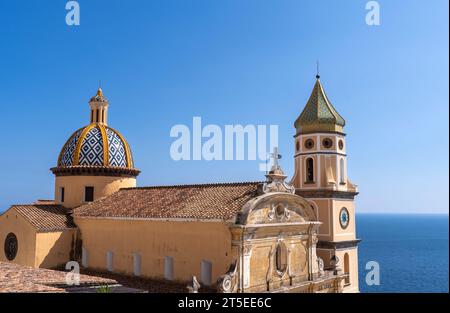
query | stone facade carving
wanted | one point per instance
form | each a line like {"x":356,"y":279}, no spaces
{"x":274,"y":243}
{"x":228,"y":283}
{"x":270,"y":269}
{"x":320,"y":264}
{"x":195,"y":285}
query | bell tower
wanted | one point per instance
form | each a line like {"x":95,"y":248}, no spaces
{"x":321,"y":177}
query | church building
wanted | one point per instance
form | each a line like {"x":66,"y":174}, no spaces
{"x":269,"y":236}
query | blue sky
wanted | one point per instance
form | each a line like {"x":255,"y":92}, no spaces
{"x":231,"y":62}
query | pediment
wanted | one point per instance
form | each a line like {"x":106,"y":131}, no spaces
{"x":276,"y":207}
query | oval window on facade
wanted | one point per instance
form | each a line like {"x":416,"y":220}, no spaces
{"x":11,"y":246}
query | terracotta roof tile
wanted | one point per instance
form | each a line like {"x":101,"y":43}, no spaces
{"x":18,"y":278}
{"x":204,"y":202}
{"x":45,"y":217}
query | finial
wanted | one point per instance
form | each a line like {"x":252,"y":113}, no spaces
{"x":318,"y":72}
{"x":275,"y":156}
{"x":275,"y":178}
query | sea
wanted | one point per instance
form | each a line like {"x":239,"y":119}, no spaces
{"x":411,"y":251}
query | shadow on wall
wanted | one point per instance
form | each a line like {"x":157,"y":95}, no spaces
{"x":57,"y":248}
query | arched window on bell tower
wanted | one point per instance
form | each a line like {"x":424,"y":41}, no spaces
{"x":347,"y":268}
{"x":342,"y":171}
{"x":309,"y":170}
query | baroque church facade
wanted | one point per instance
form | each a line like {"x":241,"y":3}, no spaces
{"x":269,"y":236}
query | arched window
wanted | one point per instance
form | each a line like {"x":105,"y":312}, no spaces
{"x":281,"y":258}
{"x":342,"y":171}
{"x":347,"y":268}
{"x":309,"y":170}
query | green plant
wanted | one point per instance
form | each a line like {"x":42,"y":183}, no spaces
{"x":104,"y":289}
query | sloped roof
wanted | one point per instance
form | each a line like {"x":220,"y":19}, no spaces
{"x":18,"y":278}
{"x":203,"y":202}
{"x":45,"y":217}
{"x":319,"y":114}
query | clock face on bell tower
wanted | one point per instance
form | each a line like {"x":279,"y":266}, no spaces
{"x":344,"y":218}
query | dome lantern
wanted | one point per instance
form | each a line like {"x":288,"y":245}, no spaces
{"x":99,"y":108}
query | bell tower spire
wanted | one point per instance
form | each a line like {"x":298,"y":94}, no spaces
{"x":99,"y":108}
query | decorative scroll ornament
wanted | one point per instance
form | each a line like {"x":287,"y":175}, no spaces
{"x":195,"y":285}
{"x":276,"y":178}
{"x":247,"y":249}
{"x":228,"y":283}
{"x":314,"y":239}
{"x":279,"y":211}
{"x":321,"y":266}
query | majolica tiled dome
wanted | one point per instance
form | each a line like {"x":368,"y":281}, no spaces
{"x":319,"y":114}
{"x":96,"y":149}
{"x":96,"y":145}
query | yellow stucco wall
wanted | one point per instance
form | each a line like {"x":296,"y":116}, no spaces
{"x":53,"y":248}
{"x":187,"y":242}
{"x":12,"y":222}
{"x":74,"y":187}
{"x":324,"y":214}
{"x":352,"y":285}
{"x":349,"y":233}
{"x":35,"y":249}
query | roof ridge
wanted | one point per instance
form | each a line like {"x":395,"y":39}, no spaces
{"x":37,"y":204}
{"x":330,"y":106}
{"x":195,"y":185}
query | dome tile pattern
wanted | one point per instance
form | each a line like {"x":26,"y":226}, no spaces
{"x":96,"y":145}
{"x":66,"y":158}
{"x":91,"y":152}
{"x":117,"y":153}
{"x":319,"y":114}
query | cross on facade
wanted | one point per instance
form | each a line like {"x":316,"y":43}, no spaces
{"x":275,"y":156}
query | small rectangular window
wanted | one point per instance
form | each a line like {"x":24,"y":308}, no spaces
{"x":88,"y":194}
{"x":84,"y":257}
{"x":61,"y":194}
{"x":168,"y":268}
{"x":206,"y":272}
{"x":137,"y":264}
{"x":109,"y":260}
